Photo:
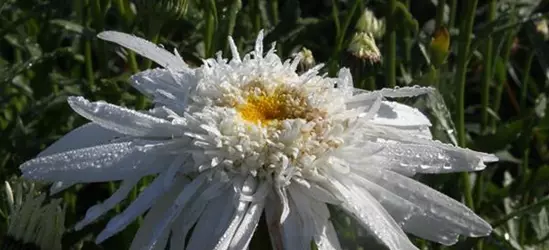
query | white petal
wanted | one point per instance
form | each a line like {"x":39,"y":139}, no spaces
{"x":373,"y":217}
{"x":434,"y":157}
{"x":282,"y":194}
{"x":345,"y":82}
{"x":244,"y":233}
{"x":184,"y":223}
{"x":405,"y":91}
{"x":399,"y":115}
{"x":59,"y":186}
{"x":248,"y":188}
{"x":165,"y":86}
{"x":234,"y":50}
{"x":97,"y":210}
{"x":259,"y":45}
{"x":317,"y":192}
{"x":95,"y":164}
{"x":123,"y":120}
{"x":289,"y":233}
{"x":87,"y":135}
{"x":215,"y":220}
{"x":145,"y":48}
{"x":142,"y":203}
{"x":432,"y":202}
{"x":412,"y":217}
{"x":327,"y":240}
{"x":156,"y":213}
{"x":191,"y":193}
{"x":315,"y":217}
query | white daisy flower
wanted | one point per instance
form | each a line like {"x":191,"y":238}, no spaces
{"x":234,"y":139}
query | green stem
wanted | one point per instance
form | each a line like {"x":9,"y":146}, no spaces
{"x":522,"y":211}
{"x":452,"y":18}
{"x":256,"y":15}
{"x":335,"y":15}
{"x":525,"y":80}
{"x":439,"y":19}
{"x":341,"y":35}
{"x":87,"y":47}
{"x":487,"y":74}
{"x":274,"y":11}
{"x":390,"y":45}
{"x":462,"y":60}
{"x":88,"y":61}
{"x":408,"y":42}
{"x":371,"y":83}
{"x":99,"y":25}
{"x":499,"y":89}
{"x":209,"y":30}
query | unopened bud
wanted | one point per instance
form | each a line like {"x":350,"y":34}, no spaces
{"x":440,"y":46}
{"x":543,"y":28}
{"x":363,"y":46}
{"x":307,"y":59}
{"x":370,"y":24}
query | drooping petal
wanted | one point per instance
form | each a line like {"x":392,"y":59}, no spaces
{"x":123,"y":120}
{"x":243,"y":234}
{"x":430,"y":202}
{"x":142,"y":203}
{"x":156,"y":213}
{"x":315,"y":216}
{"x":411,"y":217}
{"x":97,"y":210}
{"x":242,"y":208}
{"x":199,"y":189}
{"x":433,"y":157}
{"x":399,"y":115}
{"x":372,"y":216}
{"x":184,"y":223}
{"x":146,"y":49}
{"x":215,"y":220}
{"x":405,"y":91}
{"x":107,"y":162}
{"x":87,"y":135}
{"x":165,"y":87}
{"x":288,"y":234}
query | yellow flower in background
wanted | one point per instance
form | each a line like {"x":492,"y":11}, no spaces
{"x":439,"y":47}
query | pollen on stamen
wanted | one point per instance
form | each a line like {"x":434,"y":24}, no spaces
{"x":262,"y":107}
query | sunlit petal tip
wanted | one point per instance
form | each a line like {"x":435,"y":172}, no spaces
{"x":145,"y":48}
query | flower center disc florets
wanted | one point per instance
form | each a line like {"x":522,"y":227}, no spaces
{"x":278,"y":131}
{"x":263,"y":106}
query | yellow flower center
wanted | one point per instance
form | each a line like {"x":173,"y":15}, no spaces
{"x":282,"y":103}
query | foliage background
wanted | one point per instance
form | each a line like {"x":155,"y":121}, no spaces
{"x":494,"y":83}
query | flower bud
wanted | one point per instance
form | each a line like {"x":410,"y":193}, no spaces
{"x":370,"y":24}
{"x":363,"y":46}
{"x":439,"y":47}
{"x":307,"y":59}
